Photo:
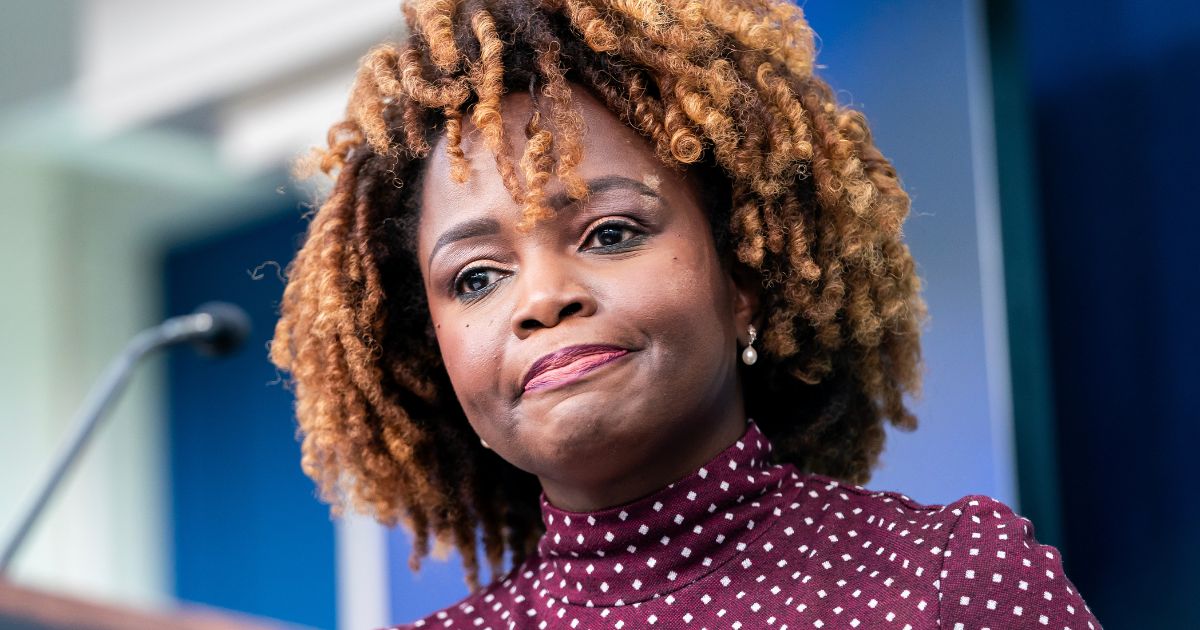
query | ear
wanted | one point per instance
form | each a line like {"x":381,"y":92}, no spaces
{"x":747,"y":294}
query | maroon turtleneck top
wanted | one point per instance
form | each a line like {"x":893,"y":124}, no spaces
{"x":743,"y":543}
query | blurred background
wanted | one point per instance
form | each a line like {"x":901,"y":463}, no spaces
{"x":1049,"y":148}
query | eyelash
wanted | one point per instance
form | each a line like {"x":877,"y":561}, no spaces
{"x":471,"y":296}
{"x":636,"y":238}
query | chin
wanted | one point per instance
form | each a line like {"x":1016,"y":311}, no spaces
{"x":584,"y":425}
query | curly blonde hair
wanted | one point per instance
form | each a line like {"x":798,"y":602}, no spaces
{"x":803,"y":197}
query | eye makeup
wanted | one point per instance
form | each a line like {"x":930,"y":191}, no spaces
{"x":616,"y":220}
{"x":634,"y":236}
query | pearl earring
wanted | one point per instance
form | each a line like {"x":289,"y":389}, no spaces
{"x":750,"y":355}
{"x":485,"y":444}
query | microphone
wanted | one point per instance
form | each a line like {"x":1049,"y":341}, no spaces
{"x":214,"y":329}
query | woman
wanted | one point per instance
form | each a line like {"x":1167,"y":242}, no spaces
{"x":620,"y":289}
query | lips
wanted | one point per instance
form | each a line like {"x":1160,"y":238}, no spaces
{"x":569,"y":364}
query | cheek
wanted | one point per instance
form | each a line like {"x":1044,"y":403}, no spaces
{"x":680,"y":298}
{"x":469,"y":352}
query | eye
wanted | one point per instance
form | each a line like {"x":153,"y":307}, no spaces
{"x":472,"y":281}
{"x":611,"y":235}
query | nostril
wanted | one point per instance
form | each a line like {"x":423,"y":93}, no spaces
{"x":546,"y":320}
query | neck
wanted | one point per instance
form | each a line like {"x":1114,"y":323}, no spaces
{"x":651,"y":546}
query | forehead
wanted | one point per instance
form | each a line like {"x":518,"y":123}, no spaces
{"x":609,"y":148}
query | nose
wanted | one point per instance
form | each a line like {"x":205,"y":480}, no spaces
{"x":549,"y":291}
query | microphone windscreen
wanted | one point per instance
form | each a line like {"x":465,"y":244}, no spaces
{"x":229,"y":329}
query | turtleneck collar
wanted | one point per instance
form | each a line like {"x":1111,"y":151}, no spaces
{"x":662,"y":542}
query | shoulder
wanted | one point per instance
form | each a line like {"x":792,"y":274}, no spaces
{"x":981,"y":558}
{"x":839,"y":516}
{"x":995,"y":573}
{"x":891,"y":514}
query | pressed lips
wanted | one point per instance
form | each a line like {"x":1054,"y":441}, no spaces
{"x":569,"y":364}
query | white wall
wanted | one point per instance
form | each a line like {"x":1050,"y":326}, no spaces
{"x":125,"y":124}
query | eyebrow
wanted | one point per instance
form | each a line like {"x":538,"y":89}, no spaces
{"x":472,"y":228}
{"x":467,"y":229}
{"x":601,"y":184}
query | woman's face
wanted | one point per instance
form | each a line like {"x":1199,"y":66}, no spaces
{"x":598,"y":349}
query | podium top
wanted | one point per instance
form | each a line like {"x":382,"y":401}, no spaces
{"x":23,"y":608}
